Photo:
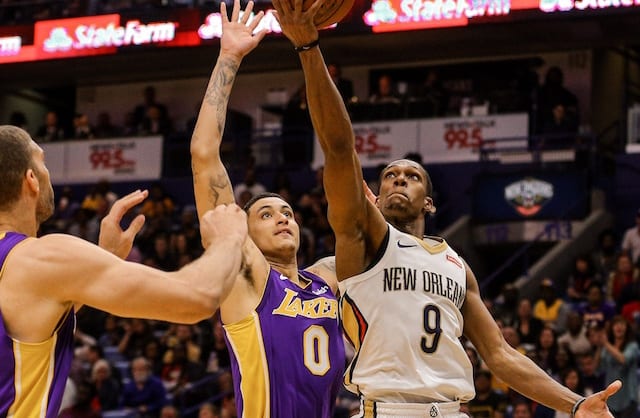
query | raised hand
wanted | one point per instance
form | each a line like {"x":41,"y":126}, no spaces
{"x":225,"y":222}
{"x":297,"y":24}
{"x":596,"y":404}
{"x":112,"y":238}
{"x":237,"y":34}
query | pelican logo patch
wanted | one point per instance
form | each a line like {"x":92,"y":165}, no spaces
{"x":433,"y":412}
{"x":528,"y":196}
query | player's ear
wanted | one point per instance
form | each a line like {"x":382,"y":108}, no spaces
{"x":429,"y":207}
{"x":32,"y":180}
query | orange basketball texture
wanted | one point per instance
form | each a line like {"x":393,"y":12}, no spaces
{"x":331,"y":11}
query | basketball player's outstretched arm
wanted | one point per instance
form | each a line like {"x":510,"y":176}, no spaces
{"x":516,"y":369}
{"x":211,"y":182}
{"x":358,"y":225}
{"x":45,"y":276}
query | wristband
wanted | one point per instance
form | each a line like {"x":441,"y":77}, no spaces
{"x":576,"y":406}
{"x":307,"y":46}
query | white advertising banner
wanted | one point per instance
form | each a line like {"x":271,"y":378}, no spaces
{"x":379,"y":142}
{"x":438,"y":140}
{"x":118,"y":159}
{"x":54,"y":155}
{"x":458,"y":139}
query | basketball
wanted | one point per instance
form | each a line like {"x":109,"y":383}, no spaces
{"x":331,"y":11}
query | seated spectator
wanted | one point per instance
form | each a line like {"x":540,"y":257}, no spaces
{"x":575,"y":338}
{"x":582,"y":276}
{"x":52,"y":130}
{"x":631,"y":241}
{"x":555,"y":100}
{"x":106,"y":387}
{"x":344,"y":86}
{"x":145,"y":393}
{"x":104,"y":128}
{"x":81,"y":127}
{"x":527,"y":326}
{"x":546,"y":348}
{"x":159,"y":204}
{"x":112,"y":332}
{"x":137,"y":333}
{"x":487,"y":401}
{"x":623,"y":275}
{"x":169,"y":411}
{"x":385,"y":92}
{"x":141,"y":111}
{"x":596,"y":312}
{"x":549,"y":308}
{"x":604,"y":257}
{"x":179,"y":372}
{"x":182,"y":334}
{"x":433,"y":94}
{"x":81,"y":408}
{"x":249,"y":184}
{"x":592,"y":378}
{"x":155,"y":122}
{"x":208,"y":410}
{"x":506,"y":305}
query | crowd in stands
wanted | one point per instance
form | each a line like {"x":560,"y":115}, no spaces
{"x":585,"y":335}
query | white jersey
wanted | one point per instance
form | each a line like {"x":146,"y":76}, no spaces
{"x":403,"y":317}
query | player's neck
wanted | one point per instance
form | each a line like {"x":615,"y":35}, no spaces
{"x":414,"y":227}
{"x":17,"y":220}
{"x":288,"y":269}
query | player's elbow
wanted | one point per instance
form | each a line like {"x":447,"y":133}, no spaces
{"x":201,"y":150}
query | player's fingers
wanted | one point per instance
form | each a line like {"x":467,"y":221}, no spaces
{"x":236,"y":11}
{"x":122,"y":205}
{"x":223,"y":12}
{"x":611,"y":389}
{"x":247,"y":13}
{"x":135,"y":226}
{"x":280,"y":6}
{"x":297,"y":6}
{"x":314,"y":7}
{"x":256,"y":20}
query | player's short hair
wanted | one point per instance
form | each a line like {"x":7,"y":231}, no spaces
{"x":15,"y":159}
{"x":257,"y":197}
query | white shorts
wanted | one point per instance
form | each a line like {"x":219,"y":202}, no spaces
{"x":372,"y":409}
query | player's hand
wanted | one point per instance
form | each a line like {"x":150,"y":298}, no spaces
{"x":296,"y":24}
{"x":226,"y":222}
{"x":368,"y":193}
{"x":596,"y":404}
{"x":238,"y":38}
{"x":112,"y":238}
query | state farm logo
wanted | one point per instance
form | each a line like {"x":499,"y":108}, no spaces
{"x":528,"y":196}
{"x":100,"y":32}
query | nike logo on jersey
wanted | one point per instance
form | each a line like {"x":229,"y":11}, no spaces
{"x":401,"y":245}
{"x":320,"y":291}
{"x":283,"y":277}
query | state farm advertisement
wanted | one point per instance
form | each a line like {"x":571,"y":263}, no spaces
{"x":446,"y":140}
{"x":439,"y":140}
{"x":96,"y":35}
{"x":121,"y":159}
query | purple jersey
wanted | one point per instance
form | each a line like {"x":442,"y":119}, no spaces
{"x":33,"y":375}
{"x":287,"y":357}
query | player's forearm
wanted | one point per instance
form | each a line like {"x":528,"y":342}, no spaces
{"x":207,"y":134}
{"x":328,"y":112}
{"x":212,"y":275}
{"x":525,"y":377}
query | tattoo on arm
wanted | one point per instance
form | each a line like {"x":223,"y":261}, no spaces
{"x":216,"y":184}
{"x":219,"y":89}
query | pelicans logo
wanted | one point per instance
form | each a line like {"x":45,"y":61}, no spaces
{"x":528,"y":196}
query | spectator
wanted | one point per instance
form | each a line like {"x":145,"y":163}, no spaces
{"x":249,"y":184}
{"x":137,"y":334}
{"x":155,"y":122}
{"x":141,"y":111}
{"x":51,"y":130}
{"x":169,"y":411}
{"x":385,"y":92}
{"x":527,"y":326}
{"x":618,"y":355}
{"x":104,"y":128}
{"x":208,"y":410}
{"x":549,"y":308}
{"x":433,"y":93}
{"x":522,"y":409}
{"x":159,"y":204}
{"x":145,"y":393}
{"x":106,"y":387}
{"x":583,"y":275}
{"x":575,"y":338}
{"x":546,"y":348}
{"x":592,"y":378}
{"x":506,"y":306}
{"x":183,"y":334}
{"x":344,"y":86}
{"x":81,"y":127}
{"x":604,"y":258}
{"x":112,"y":334}
{"x":487,"y":401}
{"x":82,"y":405}
{"x":553,"y":94}
{"x":161,"y":256}
{"x":596,"y":312}
{"x":623,"y":275}
{"x":631,"y":240}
